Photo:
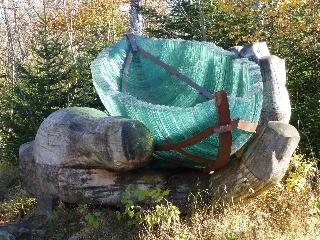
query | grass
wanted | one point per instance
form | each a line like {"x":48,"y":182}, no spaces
{"x":277,"y":214}
{"x":290,"y":210}
{"x":15,"y":203}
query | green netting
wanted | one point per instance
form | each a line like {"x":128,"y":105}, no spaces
{"x":170,"y":108}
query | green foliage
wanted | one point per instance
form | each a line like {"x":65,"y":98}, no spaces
{"x":201,"y":21}
{"x":42,"y":86}
{"x":300,"y":173}
{"x":55,"y":72}
{"x":50,"y":78}
{"x":93,"y":219}
{"x":16,"y":207}
{"x":316,"y":204}
{"x":63,"y":222}
{"x":161,"y":213}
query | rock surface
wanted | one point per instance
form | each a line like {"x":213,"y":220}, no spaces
{"x":81,"y":138}
{"x":21,"y":231}
{"x":28,"y":171}
{"x":6,"y":236}
{"x":88,"y":138}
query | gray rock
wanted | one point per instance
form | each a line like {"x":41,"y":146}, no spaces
{"x":21,"y":231}
{"x":6,"y":236}
{"x":80,"y":138}
{"x":46,"y":205}
{"x":88,"y":138}
{"x":27,"y":169}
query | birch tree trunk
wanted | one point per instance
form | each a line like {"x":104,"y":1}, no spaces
{"x":136,"y":18}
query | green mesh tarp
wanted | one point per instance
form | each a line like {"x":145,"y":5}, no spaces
{"x":170,"y":108}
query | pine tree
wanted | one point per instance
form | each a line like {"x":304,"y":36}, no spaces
{"x":44,"y":85}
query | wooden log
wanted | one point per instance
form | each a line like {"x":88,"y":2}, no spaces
{"x":262,"y":166}
{"x":253,"y":52}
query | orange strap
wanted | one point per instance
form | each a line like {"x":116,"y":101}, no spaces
{"x":235,"y":124}
{"x":224,"y":128}
{"x":225,"y":138}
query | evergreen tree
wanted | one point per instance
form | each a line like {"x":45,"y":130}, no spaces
{"x":44,"y":85}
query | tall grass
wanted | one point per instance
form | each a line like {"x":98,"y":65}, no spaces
{"x":290,"y":210}
{"x":278,"y":214}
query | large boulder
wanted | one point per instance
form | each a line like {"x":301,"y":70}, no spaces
{"x":88,"y":138}
{"x":82,"y":138}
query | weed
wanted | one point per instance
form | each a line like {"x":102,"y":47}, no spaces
{"x":161,"y":212}
{"x":13,"y":209}
{"x":300,"y":173}
{"x":63,"y":222}
{"x":290,"y":210}
{"x":94,"y":219}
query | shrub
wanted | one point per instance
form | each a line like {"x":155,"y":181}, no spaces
{"x":161,"y":212}
{"x":16,"y":208}
{"x":56,"y":73}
